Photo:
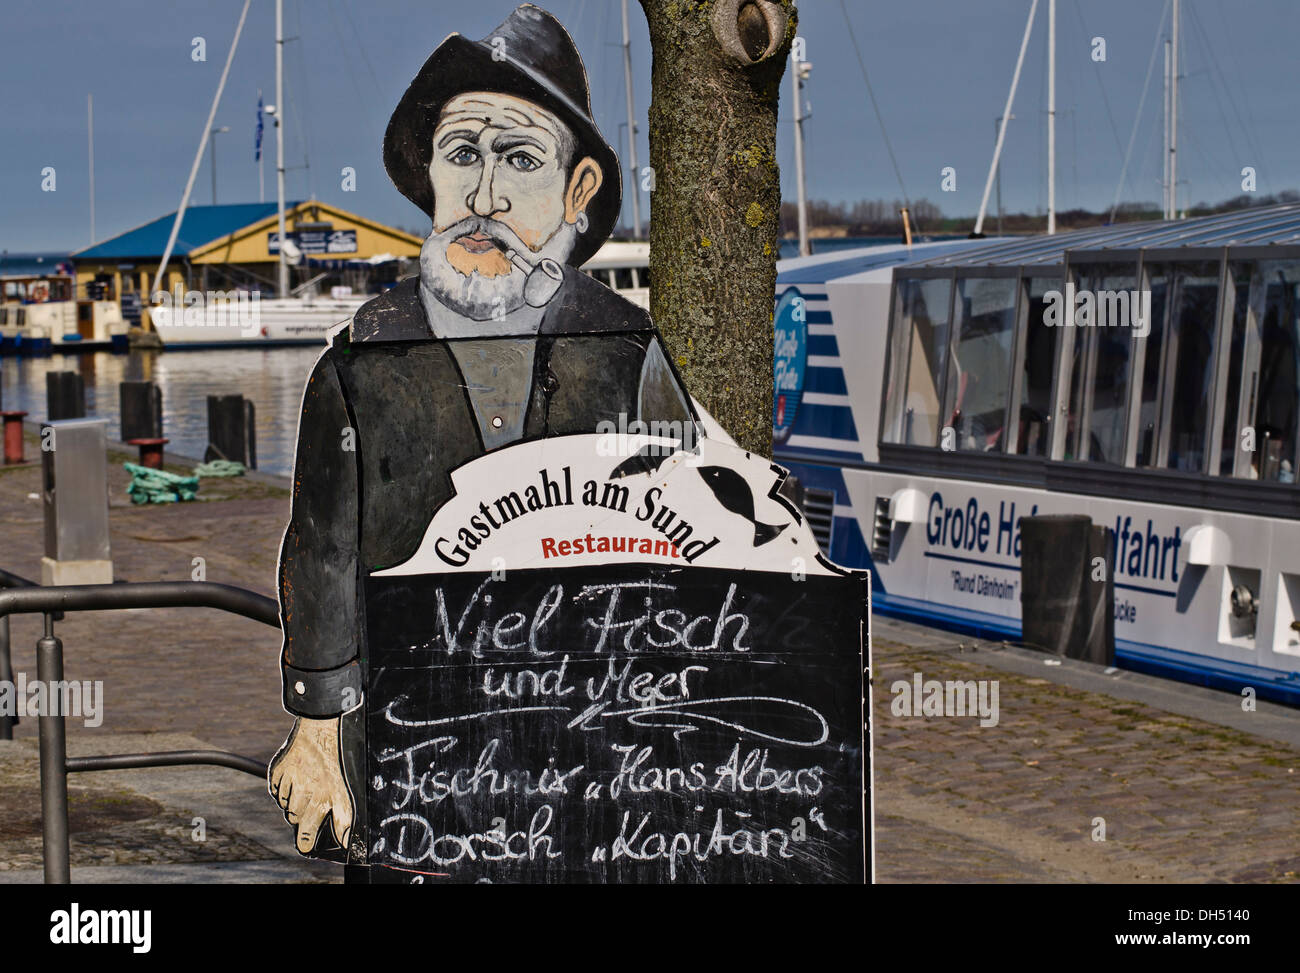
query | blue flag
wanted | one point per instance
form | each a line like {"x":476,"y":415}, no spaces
{"x":257,"y":148}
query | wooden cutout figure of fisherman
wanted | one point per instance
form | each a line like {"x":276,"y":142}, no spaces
{"x":452,"y":444}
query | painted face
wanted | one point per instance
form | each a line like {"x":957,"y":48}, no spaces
{"x":502,"y":180}
{"x":499,"y":158}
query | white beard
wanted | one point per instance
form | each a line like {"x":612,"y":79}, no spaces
{"x":475,"y":296}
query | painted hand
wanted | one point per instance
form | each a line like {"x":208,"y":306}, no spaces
{"x":306,"y":779}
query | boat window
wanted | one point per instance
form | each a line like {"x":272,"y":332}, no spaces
{"x":979,"y":370}
{"x":919,"y":346}
{"x":1275,"y":305}
{"x":101,"y":288}
{"x":623,"y":278}
{"x":1191,"y":351}
{"x":1238,"y":300}
{"x":1039,"y":359}
{"x":1100,"y":369}
{"x":1149,"y":351}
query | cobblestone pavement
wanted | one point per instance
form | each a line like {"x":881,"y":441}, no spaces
{"x":1183,"y":798}
{"x":191,"y":670}
{"x":182,"y":824}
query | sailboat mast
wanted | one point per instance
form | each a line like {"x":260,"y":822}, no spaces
{"x":1006,"y":117}
{"x":1164,"y":184}
{"x":279,"y":143}
{"x":631,"y":127}
{"x":1173,"y":119}
{"x":796,"y":69}
{"x":261,"y":156}
{"x":159,"y":279}
{"x":1051,"y":116}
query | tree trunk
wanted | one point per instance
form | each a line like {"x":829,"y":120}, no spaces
{"x":715,"y":204}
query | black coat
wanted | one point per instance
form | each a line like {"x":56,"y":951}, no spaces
{"x":385,"y":419}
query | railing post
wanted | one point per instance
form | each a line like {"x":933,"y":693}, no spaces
{"x":54,"y":761}
{"x":6,"y":676}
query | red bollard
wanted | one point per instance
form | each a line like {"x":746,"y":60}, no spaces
{"x":13,"y":437}
{"x":151,"y":451}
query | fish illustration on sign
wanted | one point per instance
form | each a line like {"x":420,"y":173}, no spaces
{"x":733,"y":492}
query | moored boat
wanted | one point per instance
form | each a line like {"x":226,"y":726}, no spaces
{"x":1146,"y":375}
{"x":44,"y":313}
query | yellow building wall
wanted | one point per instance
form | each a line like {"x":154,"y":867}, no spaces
{"x":88,"y":270}
{"x":249,"y":245}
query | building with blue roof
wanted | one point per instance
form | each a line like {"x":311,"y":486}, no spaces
{"x":236,"y":245}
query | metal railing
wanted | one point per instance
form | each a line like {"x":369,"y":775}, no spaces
{"x":10,"y":580}
{"x":23,"y":597}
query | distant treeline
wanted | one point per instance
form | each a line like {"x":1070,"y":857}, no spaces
{"x":866,"y":217}
{"x":881,"y":217}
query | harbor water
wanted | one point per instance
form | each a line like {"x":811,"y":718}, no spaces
{"x":272,"y":378}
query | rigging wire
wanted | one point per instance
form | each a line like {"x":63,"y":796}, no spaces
{"x":608,"y":110}
{"x":1097,"y":70}
{"x":1074,"y":153}
{"x":1212,"y":165}
{"x":876,"y":107}
{"x":1148,"y":153}
{"x":1213,"y":61}
{"x":1138,"y":119}
{"x":372,"y":121}
{"x":1236,"y":65}
{"x":343,"y":50}
{"x":1210,"y":162}
{"x":360,"y":47}
{"x":303,"y":127}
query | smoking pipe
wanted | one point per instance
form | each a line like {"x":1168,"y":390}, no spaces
{"x":544,"y":278}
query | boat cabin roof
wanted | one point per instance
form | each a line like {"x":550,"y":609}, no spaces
{"x":1264,"y":226}
{"x":837,"y":264}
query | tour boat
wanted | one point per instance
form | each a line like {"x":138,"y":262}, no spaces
{"x":1146,"y":375}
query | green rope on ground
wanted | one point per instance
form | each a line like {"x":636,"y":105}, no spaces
{"x":219,"y":467}
{"x":159,"y":486}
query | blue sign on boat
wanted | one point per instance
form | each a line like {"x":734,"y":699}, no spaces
{"x":790,"y":364}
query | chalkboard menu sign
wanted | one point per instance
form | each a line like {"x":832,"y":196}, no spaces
{"x":628,"y":724}
{"x":613,"y":663}
{"x":616,"y":652}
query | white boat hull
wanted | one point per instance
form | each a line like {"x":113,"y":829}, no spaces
{"x":253,"y":323}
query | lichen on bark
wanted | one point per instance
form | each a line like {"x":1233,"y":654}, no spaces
{"x":715,"y":208}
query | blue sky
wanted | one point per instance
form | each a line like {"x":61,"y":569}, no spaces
{"x":940,"y":70}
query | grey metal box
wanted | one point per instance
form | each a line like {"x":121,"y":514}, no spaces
{"x":75,"y":489}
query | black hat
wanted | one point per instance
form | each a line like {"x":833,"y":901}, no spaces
{"x":530,"y":55}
